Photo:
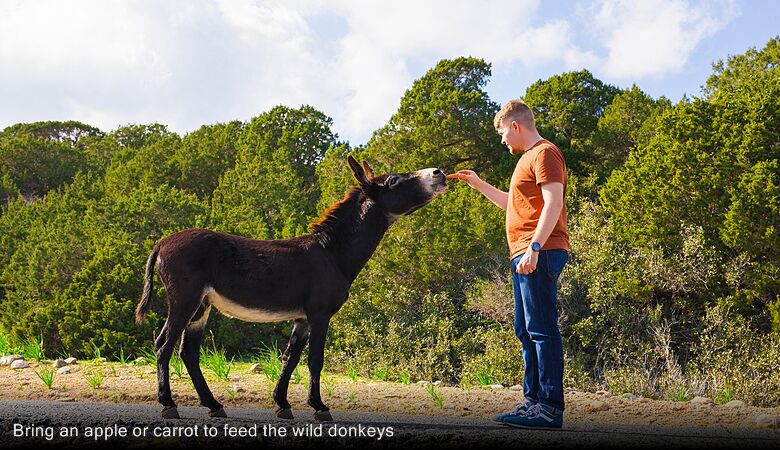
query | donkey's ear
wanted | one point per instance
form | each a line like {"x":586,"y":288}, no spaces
{"x":369,"y":171}
{"x":357,"y":171}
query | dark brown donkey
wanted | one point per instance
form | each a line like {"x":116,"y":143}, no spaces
{"x":305,"y":279}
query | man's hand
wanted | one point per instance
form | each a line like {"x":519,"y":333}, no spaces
{"x":527,"y":263}
{"x":469,"y":176}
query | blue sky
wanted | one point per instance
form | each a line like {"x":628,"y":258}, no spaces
{"x":186,"y":63}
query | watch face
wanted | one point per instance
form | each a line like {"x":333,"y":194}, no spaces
{"x":536,"y":246}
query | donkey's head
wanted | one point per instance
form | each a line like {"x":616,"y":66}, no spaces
{"x":399,"y":194}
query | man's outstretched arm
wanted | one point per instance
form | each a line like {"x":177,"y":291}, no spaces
{"x":495,"y":195}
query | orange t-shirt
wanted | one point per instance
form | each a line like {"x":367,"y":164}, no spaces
{"x":542,"y":163}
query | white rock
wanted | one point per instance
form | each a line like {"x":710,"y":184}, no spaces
{"x":238,"y":389}
{"x":59,"y":363}
{"x":596,"y":406}
{"x":495,"y":386}
{"x":766,"y":420}
{"x":7,"y":360}
{"x":19,"y":364}
{"x":256,"y":368}
{"x":63,"y":370}
{"x":735,"y":404}
{"x":701,"y":400}
{"x":71,"y":360}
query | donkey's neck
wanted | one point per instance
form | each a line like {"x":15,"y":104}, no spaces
{"x":354,"y":239}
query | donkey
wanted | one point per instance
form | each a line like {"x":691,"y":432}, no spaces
{"x":305,"y":279}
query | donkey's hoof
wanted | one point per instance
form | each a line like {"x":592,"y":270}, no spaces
{"x":323,"y":416}
{"x":284,"y":413}
{"x":170,"y":412}
{"x":218,"y":413}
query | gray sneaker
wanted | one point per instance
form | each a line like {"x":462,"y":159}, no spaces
{"x":520,"y":410}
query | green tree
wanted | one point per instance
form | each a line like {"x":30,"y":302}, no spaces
{"x":272,"y":191}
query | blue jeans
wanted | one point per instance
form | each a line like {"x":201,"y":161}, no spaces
{"x":536,"y":325}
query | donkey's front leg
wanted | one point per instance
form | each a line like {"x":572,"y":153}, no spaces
{"x":318,"y":333}
{"x":290,"y":358}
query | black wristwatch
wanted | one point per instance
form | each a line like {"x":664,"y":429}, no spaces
{"x":536,"y":247}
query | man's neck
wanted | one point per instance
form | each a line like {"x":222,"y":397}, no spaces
{"x":532,"y":139}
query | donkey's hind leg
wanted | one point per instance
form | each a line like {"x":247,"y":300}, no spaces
{"x":290,"y":359}
{"x":190,"y":354}
{"x":179,"y":314}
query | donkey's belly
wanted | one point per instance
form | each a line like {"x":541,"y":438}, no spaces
{"x":246,"y":313}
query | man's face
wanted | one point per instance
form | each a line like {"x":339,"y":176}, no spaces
{"x":510,"y":131}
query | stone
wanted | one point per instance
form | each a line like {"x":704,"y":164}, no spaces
{"x":629,"y":396}
{"x":495,"y":386}
{"x":256,"y":368}
{"x":238,"y":389}
{"x":766,"y":420}
{"x":7,"y":360}
{"x":596,"y":406}
{"x":235,"y":379}
{"x":71,"y":361}
{"x":63,"y":370}
{"x":19,"y":364}
{"x":701,"y":400}
{"x":59,"y":363}
{"x":735,"y":404}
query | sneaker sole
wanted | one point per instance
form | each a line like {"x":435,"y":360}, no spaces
{"x":533,"y":427}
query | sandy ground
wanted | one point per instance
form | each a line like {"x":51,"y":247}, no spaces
{"x":131,"y":384}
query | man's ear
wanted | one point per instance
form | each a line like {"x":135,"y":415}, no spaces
{"x":357,"y":171}
{"x":369,"y":171}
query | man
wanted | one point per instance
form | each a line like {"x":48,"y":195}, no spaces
{"x":538,"y":245}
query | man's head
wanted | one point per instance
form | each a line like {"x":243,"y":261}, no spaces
{"x":515,"y":123}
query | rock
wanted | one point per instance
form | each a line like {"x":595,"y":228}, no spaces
{"x":495,"y":386}
{"x":517,"y":387}
{"x":71,"y":361}
{"x":735,"y":404}
{"x":140,"y":360}
{"x":59,"y":363}
{"x":766,"y":420}
{"x":63,"y":370}
{"x":238,"y":389}
{"x":701,"y":400}
{"x":19,"y":364}
{"x":629,"y":396}
{"x":596,"y":406}
{"x":256,"y":368}
{"x":235,"y":379}
{"x":7,"y":360}
{"x":604,"y":393}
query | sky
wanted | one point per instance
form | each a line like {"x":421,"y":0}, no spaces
{"x":188,"y":63}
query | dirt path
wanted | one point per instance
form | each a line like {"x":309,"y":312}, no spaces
{"x":364,"y":408}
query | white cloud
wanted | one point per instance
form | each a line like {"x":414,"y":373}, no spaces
{"x":651,"y":38}
{"x":185,"y":63}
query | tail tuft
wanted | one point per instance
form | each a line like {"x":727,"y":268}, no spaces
{"x":143,"y":305}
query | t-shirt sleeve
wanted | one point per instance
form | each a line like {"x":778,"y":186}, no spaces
{"x":549,"y":166}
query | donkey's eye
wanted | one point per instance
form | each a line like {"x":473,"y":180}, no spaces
{"x":392,"y":181}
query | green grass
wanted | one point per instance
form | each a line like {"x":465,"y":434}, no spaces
{"x":46,"y":374}
{"x":216,"y":361}
{"x":380,"y":373}
{"x":95,"y":378}
{"x":270,"y":359}
{"x":352,"y":371}
{"x":33,"y":349}
{"x":404,"y":377}
{"x":177,"y":366}
{"x":435,"y":394}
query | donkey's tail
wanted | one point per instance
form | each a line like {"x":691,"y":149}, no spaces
{"x":143,"y":305}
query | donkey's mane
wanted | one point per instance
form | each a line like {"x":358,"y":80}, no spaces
{"x":338,"y":212}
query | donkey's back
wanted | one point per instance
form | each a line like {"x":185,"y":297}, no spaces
{"x":252,"y":280}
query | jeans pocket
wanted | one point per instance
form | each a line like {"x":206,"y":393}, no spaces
{"x":556,"y":260}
